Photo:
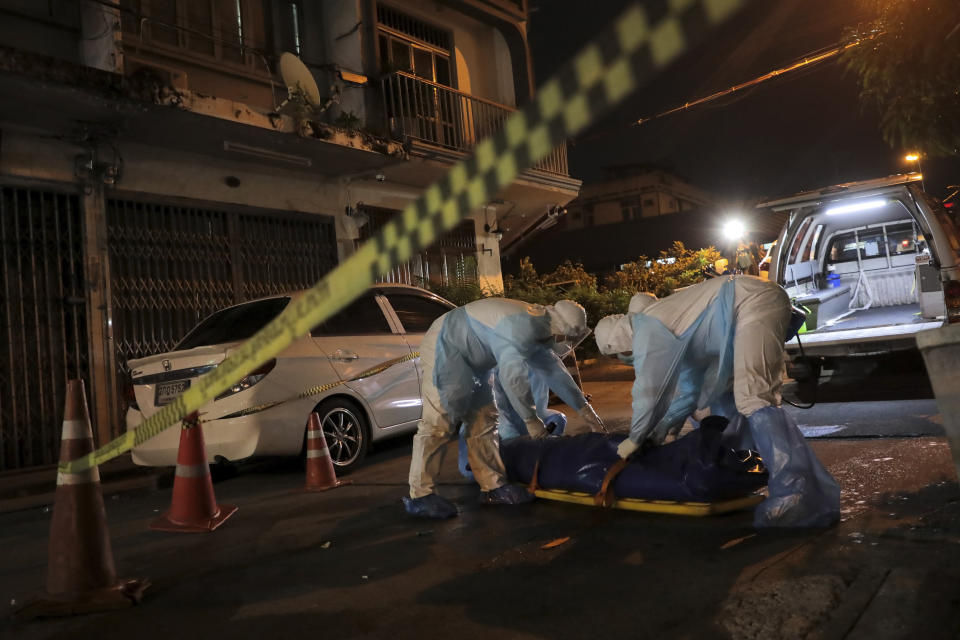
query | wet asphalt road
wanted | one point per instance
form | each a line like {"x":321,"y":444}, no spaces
{"x":887,"y":396}
{"x":350,"y":564}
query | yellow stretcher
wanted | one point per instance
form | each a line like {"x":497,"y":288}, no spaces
{"x":656,"y":506}
{"x":605,"y":498}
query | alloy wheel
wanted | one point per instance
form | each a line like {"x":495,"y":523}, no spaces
{"x":344,"y":435}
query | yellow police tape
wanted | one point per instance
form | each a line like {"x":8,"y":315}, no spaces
{"x":642,"y":41}
{"x":320,"y":388}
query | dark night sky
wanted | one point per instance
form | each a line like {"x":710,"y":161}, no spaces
{"x":800,"y":131}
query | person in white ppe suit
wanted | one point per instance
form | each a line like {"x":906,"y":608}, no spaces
{"x":719,"y":345}
{"x":509,"y":423}
{"x":457,"y":355}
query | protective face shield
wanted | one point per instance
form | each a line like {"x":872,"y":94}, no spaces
{"x":614,"y":334}
{"x":641,"y":301}
{"x":564,"y":345}
{"x":568,"y":322}
{"x":797,"y":317}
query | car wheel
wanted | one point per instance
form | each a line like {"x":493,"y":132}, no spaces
{"x":346,"y":432}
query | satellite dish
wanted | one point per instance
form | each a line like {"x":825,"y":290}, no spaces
{"x":298,"y":78}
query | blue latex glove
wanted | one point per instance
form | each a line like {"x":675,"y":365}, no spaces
{"x":507,"y":494}
{"x":556,"y":422}
{"x":431,"y":506}
{"x":463,"y":462}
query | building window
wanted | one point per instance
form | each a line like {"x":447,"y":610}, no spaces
{"x":413,"y":46}
{"x":221,"y":29}
{"x":630,"y":209}
{"x":291,"y":16}
{"x":588,"y":215}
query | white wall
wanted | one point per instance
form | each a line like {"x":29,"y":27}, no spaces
{"x":338,"y":18}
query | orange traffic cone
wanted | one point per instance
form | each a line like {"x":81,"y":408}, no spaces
{"x":320,"y":474}
{"x":193,"y":508}
{"x":80,"y":572}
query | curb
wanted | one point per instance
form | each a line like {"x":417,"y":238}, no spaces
{"x":31,"y":488}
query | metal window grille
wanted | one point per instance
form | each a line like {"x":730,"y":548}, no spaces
{"x":452,"y":259}
{"x":413,"y":27}
{"x":437,"y":115}
{"x":221,"y":29}
{"x":284,"y":253}
{"x":173,"y":264}
{"x":43,"y":322}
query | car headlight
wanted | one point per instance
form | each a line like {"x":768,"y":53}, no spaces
{"x":249,"y":380}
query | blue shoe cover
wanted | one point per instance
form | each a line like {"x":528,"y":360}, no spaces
{"x":802,"y":491}
{"x":507,"y":494}
{"x":431,"y":506}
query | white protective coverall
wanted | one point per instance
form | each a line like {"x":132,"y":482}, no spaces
{"x":690,"y":350}
{"x":722,"y":333}
{"x":457,"y":355}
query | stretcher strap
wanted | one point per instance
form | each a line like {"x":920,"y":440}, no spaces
{"x":605,"y":497}
{"x":534,"y":484}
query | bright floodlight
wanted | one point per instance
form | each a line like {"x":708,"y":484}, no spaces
{"x":912,"y":157}
{"x":733,"y":229}
{"x":866,"y":205}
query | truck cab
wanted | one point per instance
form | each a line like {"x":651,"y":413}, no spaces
{"x":873,"y":263}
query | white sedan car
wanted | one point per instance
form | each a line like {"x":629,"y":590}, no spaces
{"x":386,"y":323}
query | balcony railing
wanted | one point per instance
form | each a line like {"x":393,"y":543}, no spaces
{"x":438,"y":115}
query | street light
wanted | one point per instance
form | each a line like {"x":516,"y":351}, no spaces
{"x":733,"y":229}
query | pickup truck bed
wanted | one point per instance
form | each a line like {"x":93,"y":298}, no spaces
{"x":876,"y":317}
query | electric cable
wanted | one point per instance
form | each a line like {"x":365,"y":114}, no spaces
{"x":816,"y":383}
{"x":804,"y":62}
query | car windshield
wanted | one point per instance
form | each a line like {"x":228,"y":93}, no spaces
{"x":234,"y":324}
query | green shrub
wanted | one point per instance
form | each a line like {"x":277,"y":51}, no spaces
{"x":676,"y":267}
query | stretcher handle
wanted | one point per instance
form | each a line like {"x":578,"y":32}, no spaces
{"x":534,"y":485}
{"x":605,"y":497}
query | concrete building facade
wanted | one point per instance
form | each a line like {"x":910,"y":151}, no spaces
{"x":638,"y":210}
{"x":633,"y":192}
{"x":154,"y":167}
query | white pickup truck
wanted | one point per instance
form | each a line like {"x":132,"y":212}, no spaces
{"x":873,"y":262}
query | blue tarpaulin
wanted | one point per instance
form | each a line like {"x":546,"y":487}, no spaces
{"x":694,"y":468}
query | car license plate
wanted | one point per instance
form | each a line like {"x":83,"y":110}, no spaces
{"x":167,"y":391}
